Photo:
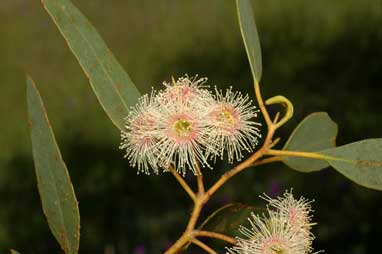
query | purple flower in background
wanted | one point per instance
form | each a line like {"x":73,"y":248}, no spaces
{"x":140,"y":249}
{"x":274,"y":189}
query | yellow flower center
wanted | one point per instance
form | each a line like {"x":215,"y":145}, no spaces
{"x":276,"y":249}
{"x":182,"y":127}
{"x":226,"y":117}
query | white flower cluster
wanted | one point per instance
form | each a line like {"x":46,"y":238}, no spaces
{"x":185,"y":125}
{"x":286,"y":229}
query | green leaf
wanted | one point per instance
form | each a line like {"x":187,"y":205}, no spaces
{"x":227,"y":219}
{"x":315,"y":133}
{"x":58,"y":200}
{"x":112,"y":85}
{"x":250,"y":37}
{"x":359,"y":161}
{"x":14,"y":252}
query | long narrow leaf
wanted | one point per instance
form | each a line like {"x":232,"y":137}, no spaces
{"x":56,"y":191}
{"x":112,"y":85}
{"x":250,"y":37}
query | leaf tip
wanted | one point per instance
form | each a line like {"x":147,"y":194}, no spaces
{"x":30,"y":83}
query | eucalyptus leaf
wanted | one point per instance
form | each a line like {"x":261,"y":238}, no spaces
{"x":315,"y":133}
{"x":227,"y":219}
{"x":359,"y":161}
{"x":250,"y":37}
{"x":57,"y":195}
{"x":111,"y":84}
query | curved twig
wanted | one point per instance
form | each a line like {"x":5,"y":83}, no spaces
{"x":182,"y":183}
{"x":203,"y":246}
{"x":209,"y":234}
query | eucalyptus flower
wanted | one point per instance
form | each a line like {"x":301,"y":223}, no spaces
{"x":188,"y":91}
{"x":268,"y":235}
{"x":285,"y":229}
{"x":232,"y":118}
{"x":297,"y":211}
{"x":139,"y":137}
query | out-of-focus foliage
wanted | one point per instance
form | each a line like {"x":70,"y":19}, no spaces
{"x":322,"y":55}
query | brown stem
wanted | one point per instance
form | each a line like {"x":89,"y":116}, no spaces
{"x":262,"y":107}
{"x":203,"y":246}
{"x":199,"y":179}
{"x":209,"y":234}
{"x":274,"y":142}
{"x":267,"y":160}
{"x":200,"y":183}
{"x":311,"y":155}
{"x":186,"y":236}
{"x":277,"y":116}
{"x":182,"y":183}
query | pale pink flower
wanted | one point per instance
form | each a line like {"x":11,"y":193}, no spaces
{"x":285,"y":230}
{"x":297,"y":212}
{"x":187,"y":91}
{"x":182,"y":133}
{"x":269,"y":235}
{"x":234,"y":127}
{"x":138,"y":139}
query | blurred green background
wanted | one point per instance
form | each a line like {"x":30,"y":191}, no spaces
{"x":323,"y":55}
